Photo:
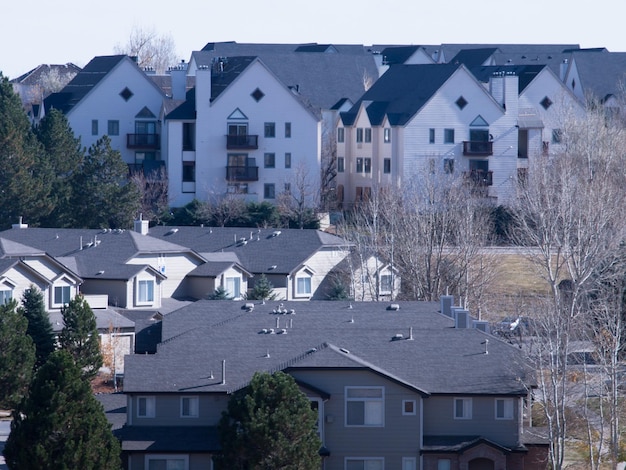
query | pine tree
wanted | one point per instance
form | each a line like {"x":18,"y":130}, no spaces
{"x":23,"y":170}
{"x":219,"y":294}
{"x":64,"y":156}
{"x":39,"y":327}
{"x":262,"y":290}
{"x":79,"y":336}
{"x":61,"y":425}
{"x":103,"y":197}
{"x":17,"y":356}
{"x":269,"y":425}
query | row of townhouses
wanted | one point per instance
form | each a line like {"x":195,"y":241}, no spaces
{"x":247,"y":119}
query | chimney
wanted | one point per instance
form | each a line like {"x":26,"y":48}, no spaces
{"x":178,"y":78}
{"x":461,"y":318}
{"x":142,"y":226}
{"x":446,"y":304}
{"x":563,"y":69}
{"x":203,"y":89}
{"x":496,"y":87}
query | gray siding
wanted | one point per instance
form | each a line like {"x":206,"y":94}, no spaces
{"x":196,"y":461}
{"x":167,"y":410}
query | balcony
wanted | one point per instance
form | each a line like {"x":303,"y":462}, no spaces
{"x":479,"y":177}
{"x":242,"y":142}
{"x":477,"y":148}
{"x":143,"y":141}
{"x":242,"y":173}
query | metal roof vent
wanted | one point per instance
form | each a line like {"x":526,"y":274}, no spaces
{"x":249,"y":306}
{"x":172,"y":231}
{"x":275,"y":233}
{"x":393,"y":307}
{"x":397,"y":337}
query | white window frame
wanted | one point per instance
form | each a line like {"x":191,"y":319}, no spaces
{"x":5,"y":296}
{"x":467,"y":407}
{"x":193,"y":406}
{"x":409,"y":463}
{"x":365,"y":460}
{"x":150,"y":406}
{"x":235,"y":291}
{"x":63,"y":288}
{"x":148,"y":299}
{"x":409,"y":413}
{"x":166,"y":457}
{"x":308,"y":287}
{"x":371,"y":404}
{"x":507,"y":411}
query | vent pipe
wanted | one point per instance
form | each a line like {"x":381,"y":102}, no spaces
{"x":411,"y":333}
{"x":224,"y":372}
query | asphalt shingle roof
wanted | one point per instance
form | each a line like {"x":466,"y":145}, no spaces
{"x":335,"y":335}
{"x":602,"y":74}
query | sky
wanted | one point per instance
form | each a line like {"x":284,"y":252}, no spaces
{"x":46,"y":32}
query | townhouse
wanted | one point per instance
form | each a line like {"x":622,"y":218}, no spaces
{"x":411,"y":385}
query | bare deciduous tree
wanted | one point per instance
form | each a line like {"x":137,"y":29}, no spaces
{"x":154,"y":196}
{"x":152,"y":49}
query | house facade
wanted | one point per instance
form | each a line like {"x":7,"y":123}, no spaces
{"x":378,"y":375}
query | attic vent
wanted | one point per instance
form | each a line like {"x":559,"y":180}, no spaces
{"x":276,"y":233}
{"x":257,"y":95}
{"x":397,"y":337}
{"x":461,"y":102}
{"x":394,"y":307}
{"x":126,"y":94}
{"x":546,"y":102}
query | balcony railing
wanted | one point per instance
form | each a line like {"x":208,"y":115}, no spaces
{"x":242,"y":173}
{"x":477,"y":148}
{"x":242,"y":141}
{"x":479,"y":177}
{"x":143,"y":141}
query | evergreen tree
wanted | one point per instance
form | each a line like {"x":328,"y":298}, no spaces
{"x":17,"y":356}
{"x":23,"y":172}
{"x":262,"y":290}
{"x":103,"y":197}
{"x":79,"y":336}
{"x":39,"y":327}
{"x":64,"y":156}
{"x":269,"y":425}
{"x":219,"y":294}
{"x":61,"y":425}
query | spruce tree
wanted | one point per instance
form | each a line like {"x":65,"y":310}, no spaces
{"x":102,"y":196}
{"x":17,"y":356}
{"x":262,"y":290}
{"x":219,"y":294}
{"x":61,"y":425}
{"x":23,"y":171}
{"x":64,"y":156}
{"x":270,"y":424}
{"x":39,"y":327}
{"x":79,"y":336}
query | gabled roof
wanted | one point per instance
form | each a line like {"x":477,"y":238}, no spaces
{"x":602,"y":74}
{"x":525,"y":73}
{"x":398,"y":54}
{"x":473,"y":57}
{"x":34,"y":76}
{"x":401,"y":92}
{"x":431,"y":356}
{"x":264,"y":250}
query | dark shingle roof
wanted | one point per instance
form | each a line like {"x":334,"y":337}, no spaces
{"x":602,"y":74}
{"x":322,"y":334}
{"x":169,"y":438}
{"x":401,"y":92}
{"x":525,"y":73}
{"x":398,"y":54}
{"x":473,"y":57}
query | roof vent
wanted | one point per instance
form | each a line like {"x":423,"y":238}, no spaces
{"x":397,"y":337}
{"x":394,"y":307}
{"x":249,"y":306}
{"x":312,"y":350}
{"x":275,"y":233}
{"x":172,"y":231}
{"x":242,"y":242}
{"x":344,"y":350}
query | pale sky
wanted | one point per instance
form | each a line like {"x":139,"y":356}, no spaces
{"x":61,"y":31}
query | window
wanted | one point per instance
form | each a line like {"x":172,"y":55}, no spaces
{"x":359,"y":165}
{"x":269,"y":191}
{"x":94,"y":127}
{"x":462,"y":408}
{"x":359,"y":134}
{"x":189,"y":136}
{"x":340,"y":165}
{"x":5,"y":296}
{"x":62,"y":295}
{"x":443,"y":464}
{"x":145,"y":407}
{"x":189,"y":407}
{"x":370,"y":463}
{"x":189,"y":172}
{"x":365,"y":406}
{"x":387,"y":135}
{"x":504,"y":408}
{"x":113,"y":128}
{"x":368,"y":165}
{"x":368,"y":135}
{"x":408,"y":407}
{"x":287,"y":160}
{"x":387,"y":165}
{"x":557,"y":136}
{"x":385,"y":283}
{"x":431,"y":136}
{"x":287,"y":130}
{"x":303,"y":286}
{"x":341,"y":135}
{"x":448,"y":165}
{"x":233,"y":287}
{"x":270,"y":129}
{"x":270,"y":160}
{"x":170,"y":462}
{"x":409,"y":463}
{"x":448,"y":136}
{"x":237,"y":188}
{"x":288,"y":188}
{"x":146,"y":291}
